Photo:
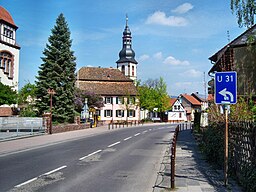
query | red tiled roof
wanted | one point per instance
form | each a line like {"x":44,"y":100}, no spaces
{"x":101,"y":74}
{"x":105,"y":81}
{"x":172,"y":101}
{"x":191,"y":99}
{"x":5,"y":16}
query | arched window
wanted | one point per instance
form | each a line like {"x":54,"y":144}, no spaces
{"x":123,"y":69}
{"x":6,"y":63}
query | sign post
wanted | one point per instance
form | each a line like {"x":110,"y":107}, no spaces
{"x":226,"y":94}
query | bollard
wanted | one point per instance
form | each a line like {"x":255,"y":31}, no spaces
{"x":172,"y":168}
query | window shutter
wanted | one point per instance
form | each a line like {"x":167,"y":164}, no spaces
{"x":116,"y":113}
{"x":111,"y":113}
{"x":116,"y":100}
{"x":133,"y":113}
{"x":105,"y":100}
{"x":111,"y":98}
{"x":122,"y":113}
{"x":105,"y":113}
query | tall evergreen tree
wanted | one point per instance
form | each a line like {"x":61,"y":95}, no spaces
{"x":57,"y":72}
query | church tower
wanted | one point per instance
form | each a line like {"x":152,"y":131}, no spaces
{"x":9,"y":50}
{"x":127,"y":63}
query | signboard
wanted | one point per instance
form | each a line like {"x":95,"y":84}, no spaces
{"x":226,"y":87}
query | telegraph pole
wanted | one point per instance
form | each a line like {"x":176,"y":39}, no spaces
{"x":51,"y":92}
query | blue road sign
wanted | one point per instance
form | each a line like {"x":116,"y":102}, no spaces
{"x":226,"y":87}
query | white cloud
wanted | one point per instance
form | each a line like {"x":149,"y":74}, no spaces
{"x":172,"y":61}
{"x":143,"y":57}
{"x":191,"y":73}
{"x":184,"y":8}
{"x":160,"y":18}
{"x":158,"y":55}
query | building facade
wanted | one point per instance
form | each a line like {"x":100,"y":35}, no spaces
{"x":9,"y":50}
{"x":118,"y":93}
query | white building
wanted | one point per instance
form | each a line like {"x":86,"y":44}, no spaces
{"x":9,"y":50}
{"x":177,"y":112}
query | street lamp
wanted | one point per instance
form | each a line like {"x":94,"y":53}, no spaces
{"x":51,"y":92}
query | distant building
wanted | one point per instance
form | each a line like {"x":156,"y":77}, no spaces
{"x":177,"y":113}
{"x":9,"y":55}
{"x":115,"y":86}
{"x":191,"y":105}
{"x":9,"y":50}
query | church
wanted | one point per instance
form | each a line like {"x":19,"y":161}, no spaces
{"x":9,"y":55}
{"x":115,"y":85}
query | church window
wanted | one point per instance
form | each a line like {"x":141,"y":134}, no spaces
{"x":128,"y":69}
{"x":123,"y":69}
{"x":132,"y":70}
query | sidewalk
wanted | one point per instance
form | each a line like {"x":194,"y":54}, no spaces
{"x":22,"y":144}
{"x":192,"y":172}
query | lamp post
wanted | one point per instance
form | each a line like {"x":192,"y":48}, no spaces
{"x":51,"y":92}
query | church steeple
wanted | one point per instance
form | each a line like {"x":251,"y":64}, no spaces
{"x":127,"y":63}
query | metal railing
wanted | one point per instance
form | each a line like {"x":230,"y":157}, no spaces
{"x":11,"y":127}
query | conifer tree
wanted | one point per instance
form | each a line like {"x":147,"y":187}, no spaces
{"x":57,"y":72}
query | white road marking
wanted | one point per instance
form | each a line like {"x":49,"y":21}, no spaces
{"x":55,"y":170}
{"x":95,"y":152}
{"x":136,"y":134}
{"x":150,"y":129}
{"x":35,"y":178}
{"x":114,"y":144}
{"x":26,"y":182}
{"x":145,"y":131}
{"x":127,"y":138}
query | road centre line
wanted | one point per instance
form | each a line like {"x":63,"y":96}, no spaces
{"x":35,"y":178}
{"x":127,"y":138}
{"x":145,"y":131}
{"x":95,"y":152}
{"x":26,"y":182}
{"x":114,"y":144}
{"x":55,"y":170}
{"x":136,"y":134}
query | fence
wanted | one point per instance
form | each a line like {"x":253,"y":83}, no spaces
{"x":242,"y":152}
{"x":20,"y":126}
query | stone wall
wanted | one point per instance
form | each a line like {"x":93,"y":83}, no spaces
{"x":5,"y":111}
{"x":69,"y":127}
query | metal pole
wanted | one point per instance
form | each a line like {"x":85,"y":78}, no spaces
{"x":226,"y":147}
{"x":50,"y":131}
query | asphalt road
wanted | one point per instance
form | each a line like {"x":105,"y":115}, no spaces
{"x":123,"y":160}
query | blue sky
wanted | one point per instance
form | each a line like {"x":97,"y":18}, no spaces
{"x":172,"y":39}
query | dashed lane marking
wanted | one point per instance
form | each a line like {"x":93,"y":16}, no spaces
{"x":35,"y":178}
{"x":114,"y":144}
{"x":95,"y":152}
{"x":136,"y":134}
{"x":127,"y":138}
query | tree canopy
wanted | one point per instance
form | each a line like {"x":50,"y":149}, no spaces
{"x":7,"y":95}
{"x":57,"y":72}
{"x":153,"y":94}
{"x":245,"y":11}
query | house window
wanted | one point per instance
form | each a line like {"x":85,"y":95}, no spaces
{"x":108,"y":100}
{"x":131,"y":113}
{"x":108,"y":113}
{"x":178,"y":107}
{"x":175,"y":107}
{"x":180,"y":115}
{"x":119,"y":113}
{"x":131,"y":100}
{"x":119,"y":100}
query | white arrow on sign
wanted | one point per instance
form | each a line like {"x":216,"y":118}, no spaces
{"x":224,"y":93}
